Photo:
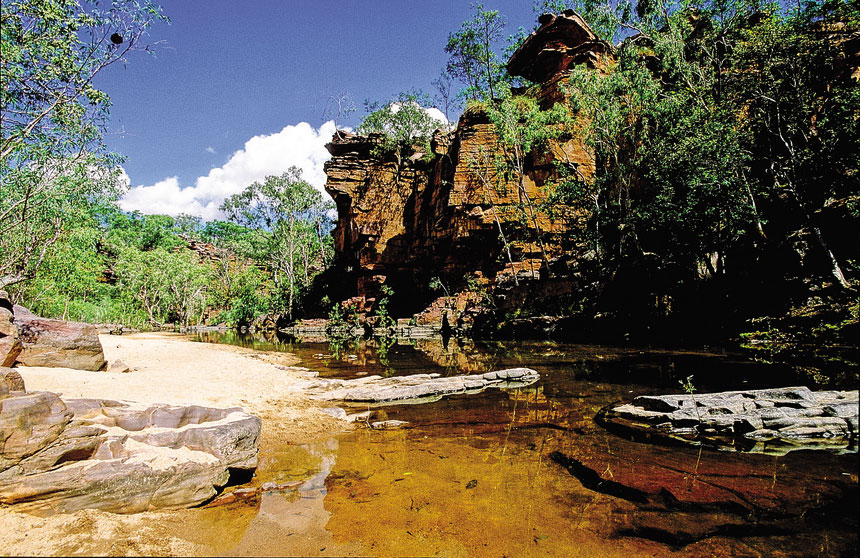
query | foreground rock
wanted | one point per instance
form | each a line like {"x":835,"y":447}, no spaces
{"x":56,"y":343}
{"x":10,"y":344}
{"x":63,"y":456}
{"x":417,"y":388}
{"x":766,"y":421}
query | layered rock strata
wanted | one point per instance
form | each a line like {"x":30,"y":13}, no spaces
{"x":449,"y":213}
{"x":57,"y":343}
{"x":417,"y":387}
{"x":64,"y":455}
{"x":10,"y":343}
{"x":766,"y":420}
{"x":560,"y":43}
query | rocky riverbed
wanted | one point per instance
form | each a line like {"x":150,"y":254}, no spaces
{"x":774,"y":421}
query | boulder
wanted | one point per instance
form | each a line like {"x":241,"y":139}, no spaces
{"x":765,"y":420}
{"x":57,"y":343}
{"x":29,"y":422}
{"x":63,"y":456}
{"x":118,"y":366}
{"x":10,"y":380}
{"x":561,"y":41}
{"x":10,"y":344}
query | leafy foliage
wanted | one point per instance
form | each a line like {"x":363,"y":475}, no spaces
{"x":292,"y":240}
{"x":403,"y":121}
{"x":741,"y":94}
{"x":472,"y":59}
{"x":52,"y":160}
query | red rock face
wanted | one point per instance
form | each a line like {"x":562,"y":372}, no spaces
{"x":561,"y":42}
{"x":403,"y":221}
{"x":10,"y":345}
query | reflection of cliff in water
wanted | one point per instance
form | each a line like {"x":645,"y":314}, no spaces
{"x":528,"y":472}
{"x":460,"y":356}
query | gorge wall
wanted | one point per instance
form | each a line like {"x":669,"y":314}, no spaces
{"x":443,"y":214}
{"x":461,"y":245}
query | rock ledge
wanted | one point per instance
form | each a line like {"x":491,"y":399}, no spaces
{"x":417,"y":388}
{"x":62,"y":456}
{"x":765,"y":420}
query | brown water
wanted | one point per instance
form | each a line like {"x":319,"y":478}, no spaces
{"x":528,"y":473}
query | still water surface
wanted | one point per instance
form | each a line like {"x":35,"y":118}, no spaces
{"x":527,"y":472}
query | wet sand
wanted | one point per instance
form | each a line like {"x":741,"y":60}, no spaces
{"x":168,"y":368}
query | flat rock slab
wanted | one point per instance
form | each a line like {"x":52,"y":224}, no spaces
{"x":766,"y":420}
{"x":417,"y":388}
{"x":63,"y":456}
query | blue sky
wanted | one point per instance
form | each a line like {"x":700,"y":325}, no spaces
{"x":238,"y":90}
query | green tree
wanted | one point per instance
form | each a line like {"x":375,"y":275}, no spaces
{"x":171,"y":286}
{"x":803,"y":108}
{"x":39,"y":205}
{"x":72,"y":270}
{"x":472,"y":58}
{"x":291,"y":213}
{"x":143,"y":232}
{"x":753,"y":100}
{"x":444,"y":98}
{"x":51,"y":153}
{"x":403,"y":121}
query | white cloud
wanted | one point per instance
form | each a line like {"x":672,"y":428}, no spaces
{"x":432,"y":112}
{"x":210,"y":149}
{"x":438,"y":115}
{"x":262,"y":156}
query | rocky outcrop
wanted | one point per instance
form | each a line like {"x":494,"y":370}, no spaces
{"x":62,"y":456}
{"x":10,"y":344}
{"x":561,"y":42}
{"x":403,"y":221}
{"x":417,"y":387}
{"x":765,"y":420}
{"x":58,"y":343}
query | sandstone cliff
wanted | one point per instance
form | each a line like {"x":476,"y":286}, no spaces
{"x":447,"y":214}
{"x":404,"y":221}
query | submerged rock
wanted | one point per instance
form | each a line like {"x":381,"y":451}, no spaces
{"x":418,"y":388}
{"x":766,"y":420}
{"x":678,"y":496}
{"x":63,"y":456}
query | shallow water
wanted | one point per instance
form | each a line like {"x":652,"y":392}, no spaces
{"x":527,"y":472}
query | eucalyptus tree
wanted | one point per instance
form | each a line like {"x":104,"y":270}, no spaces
{"x":713,"y":107}
{"x":51,"y":153}
{"x":290,"y":214}
{"x":403,"y":121}
{"x":472,"y":58}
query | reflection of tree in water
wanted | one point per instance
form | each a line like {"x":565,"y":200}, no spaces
{"x":335,"y":347}
{"x":459,"y":356}
{"x":383,"y":345}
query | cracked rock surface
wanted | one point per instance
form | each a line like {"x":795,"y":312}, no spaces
{"x":767,"y":420}
{"x":65,"y":455}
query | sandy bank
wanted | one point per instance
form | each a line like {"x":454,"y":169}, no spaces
{"x":168,"y":368}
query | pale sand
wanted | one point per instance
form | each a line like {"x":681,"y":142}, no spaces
{"x":167,"y":368}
